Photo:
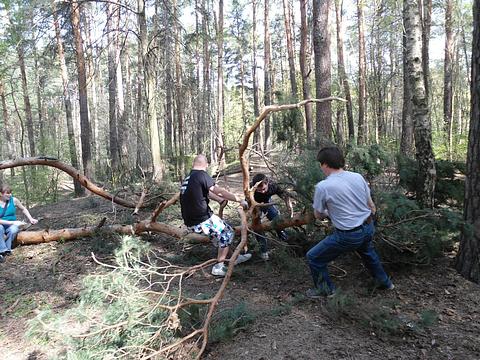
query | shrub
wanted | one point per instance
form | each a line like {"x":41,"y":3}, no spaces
{"x":368,"y":160}
{"x":409,"y":234}
{"x":449,"y":185}
{"x":123,"y":311}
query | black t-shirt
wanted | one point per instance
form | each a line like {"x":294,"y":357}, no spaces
{"x":273,"y":189}
{"x":194,"y":197}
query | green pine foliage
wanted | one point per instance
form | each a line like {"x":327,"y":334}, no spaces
{"x":368,"y":160}
{"x":119,"y":311}
{"x":449,"y":185}
{"x":287,"y":126}
{"x":408,"y":234}
{"x":229,"y":322}
{"x":303,"y":175}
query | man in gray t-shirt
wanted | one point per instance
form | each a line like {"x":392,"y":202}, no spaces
{"x":344,"y":197}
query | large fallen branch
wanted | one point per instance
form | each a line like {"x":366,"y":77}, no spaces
{"x":70,"y":170}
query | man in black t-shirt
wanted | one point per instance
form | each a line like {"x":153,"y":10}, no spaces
{"x":266,"y":188}
{"x":195,"y":191}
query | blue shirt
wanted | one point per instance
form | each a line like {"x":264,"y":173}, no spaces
{"x":11,"y":213}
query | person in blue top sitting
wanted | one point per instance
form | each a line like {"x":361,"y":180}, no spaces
{"x":9,"y":225}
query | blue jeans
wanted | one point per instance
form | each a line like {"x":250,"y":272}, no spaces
{"x":11,"y":232}
{"x":341,"y":242}
{"x":272,"y":213}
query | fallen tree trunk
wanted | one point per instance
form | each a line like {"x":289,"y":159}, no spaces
{"x":180,"y":233}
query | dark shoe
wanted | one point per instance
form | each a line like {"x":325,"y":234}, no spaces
{"x":7,"y":253}
{"x":2,"y":259}
{"x":316,"y":293}
{"x":283,"y":235}
{"x":390,"y":286}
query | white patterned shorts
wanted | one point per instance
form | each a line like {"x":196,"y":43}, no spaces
{"x":219,"y":232}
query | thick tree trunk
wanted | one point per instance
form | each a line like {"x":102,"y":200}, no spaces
{"x":290,"y":48}
{"x":423,"y":135}
{"x":113,"y":149}
{"x":179,"y":93}
{"x":341,"y":70}
{"x":219,"y":146}
{"x":425,"y":8}
{"x":82,"y":91}
{"x":10,"y":149}
{"x":140,"y":122}
{"x":79,"y":190}
{"x":93,"y":77}
{"x":40,"y":82}
{"x":406,"y":142}
{"x":257,"y":136}
{"x":448,"y":75}
{"x":205,"y":107}
{"x":148,"y":62}
{"x":267,"y":71}
{"x":127,"y":143}
{"x":468,"y":258}
{"x":26,"y":99}
{"x":321,"y":47}
{"x":362,"y":87}
{"x":305,"y":70}
{"x":122,"y":117}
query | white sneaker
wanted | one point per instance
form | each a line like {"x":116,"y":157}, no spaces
{"x":242,"y":258}
{"x":265,"y":256}
{"x":219,"y":270}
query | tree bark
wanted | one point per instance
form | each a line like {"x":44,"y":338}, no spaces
{"x":82,"y":91}
{"x":205,"y":108}
{"x":425,"y":8}
{"x":323,"y":80}
{"x":290,"y":48}
{"x":341,"y":69}
{"x":362,"y":87}
{"x":423,"y":136}
{"x":148,"y":62}
{"x":257,"y":136}
{"x":305,"y":70}
{"x":26,"y":98}
{"x":448,"y":75}
{"x":179,"y":93}
{"x":468,"y":257}
{"x":219,"y":146}
{"x":406,"y":142}
{"x":267,"y":71}
{"x":113,"y":149}
{"x":67,"y":102}
{"x":40,"y":81}
{"x":10,"y":149}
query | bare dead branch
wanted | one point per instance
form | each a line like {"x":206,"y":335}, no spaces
{"x":74,"y":173}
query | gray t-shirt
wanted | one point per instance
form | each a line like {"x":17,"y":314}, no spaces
{"x":344,"y":196}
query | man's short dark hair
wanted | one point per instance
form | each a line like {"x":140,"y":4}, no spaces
{"x":332,"y":156}
{"x":258,"y":177}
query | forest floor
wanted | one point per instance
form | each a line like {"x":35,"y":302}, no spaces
{"x":432,"y":313}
